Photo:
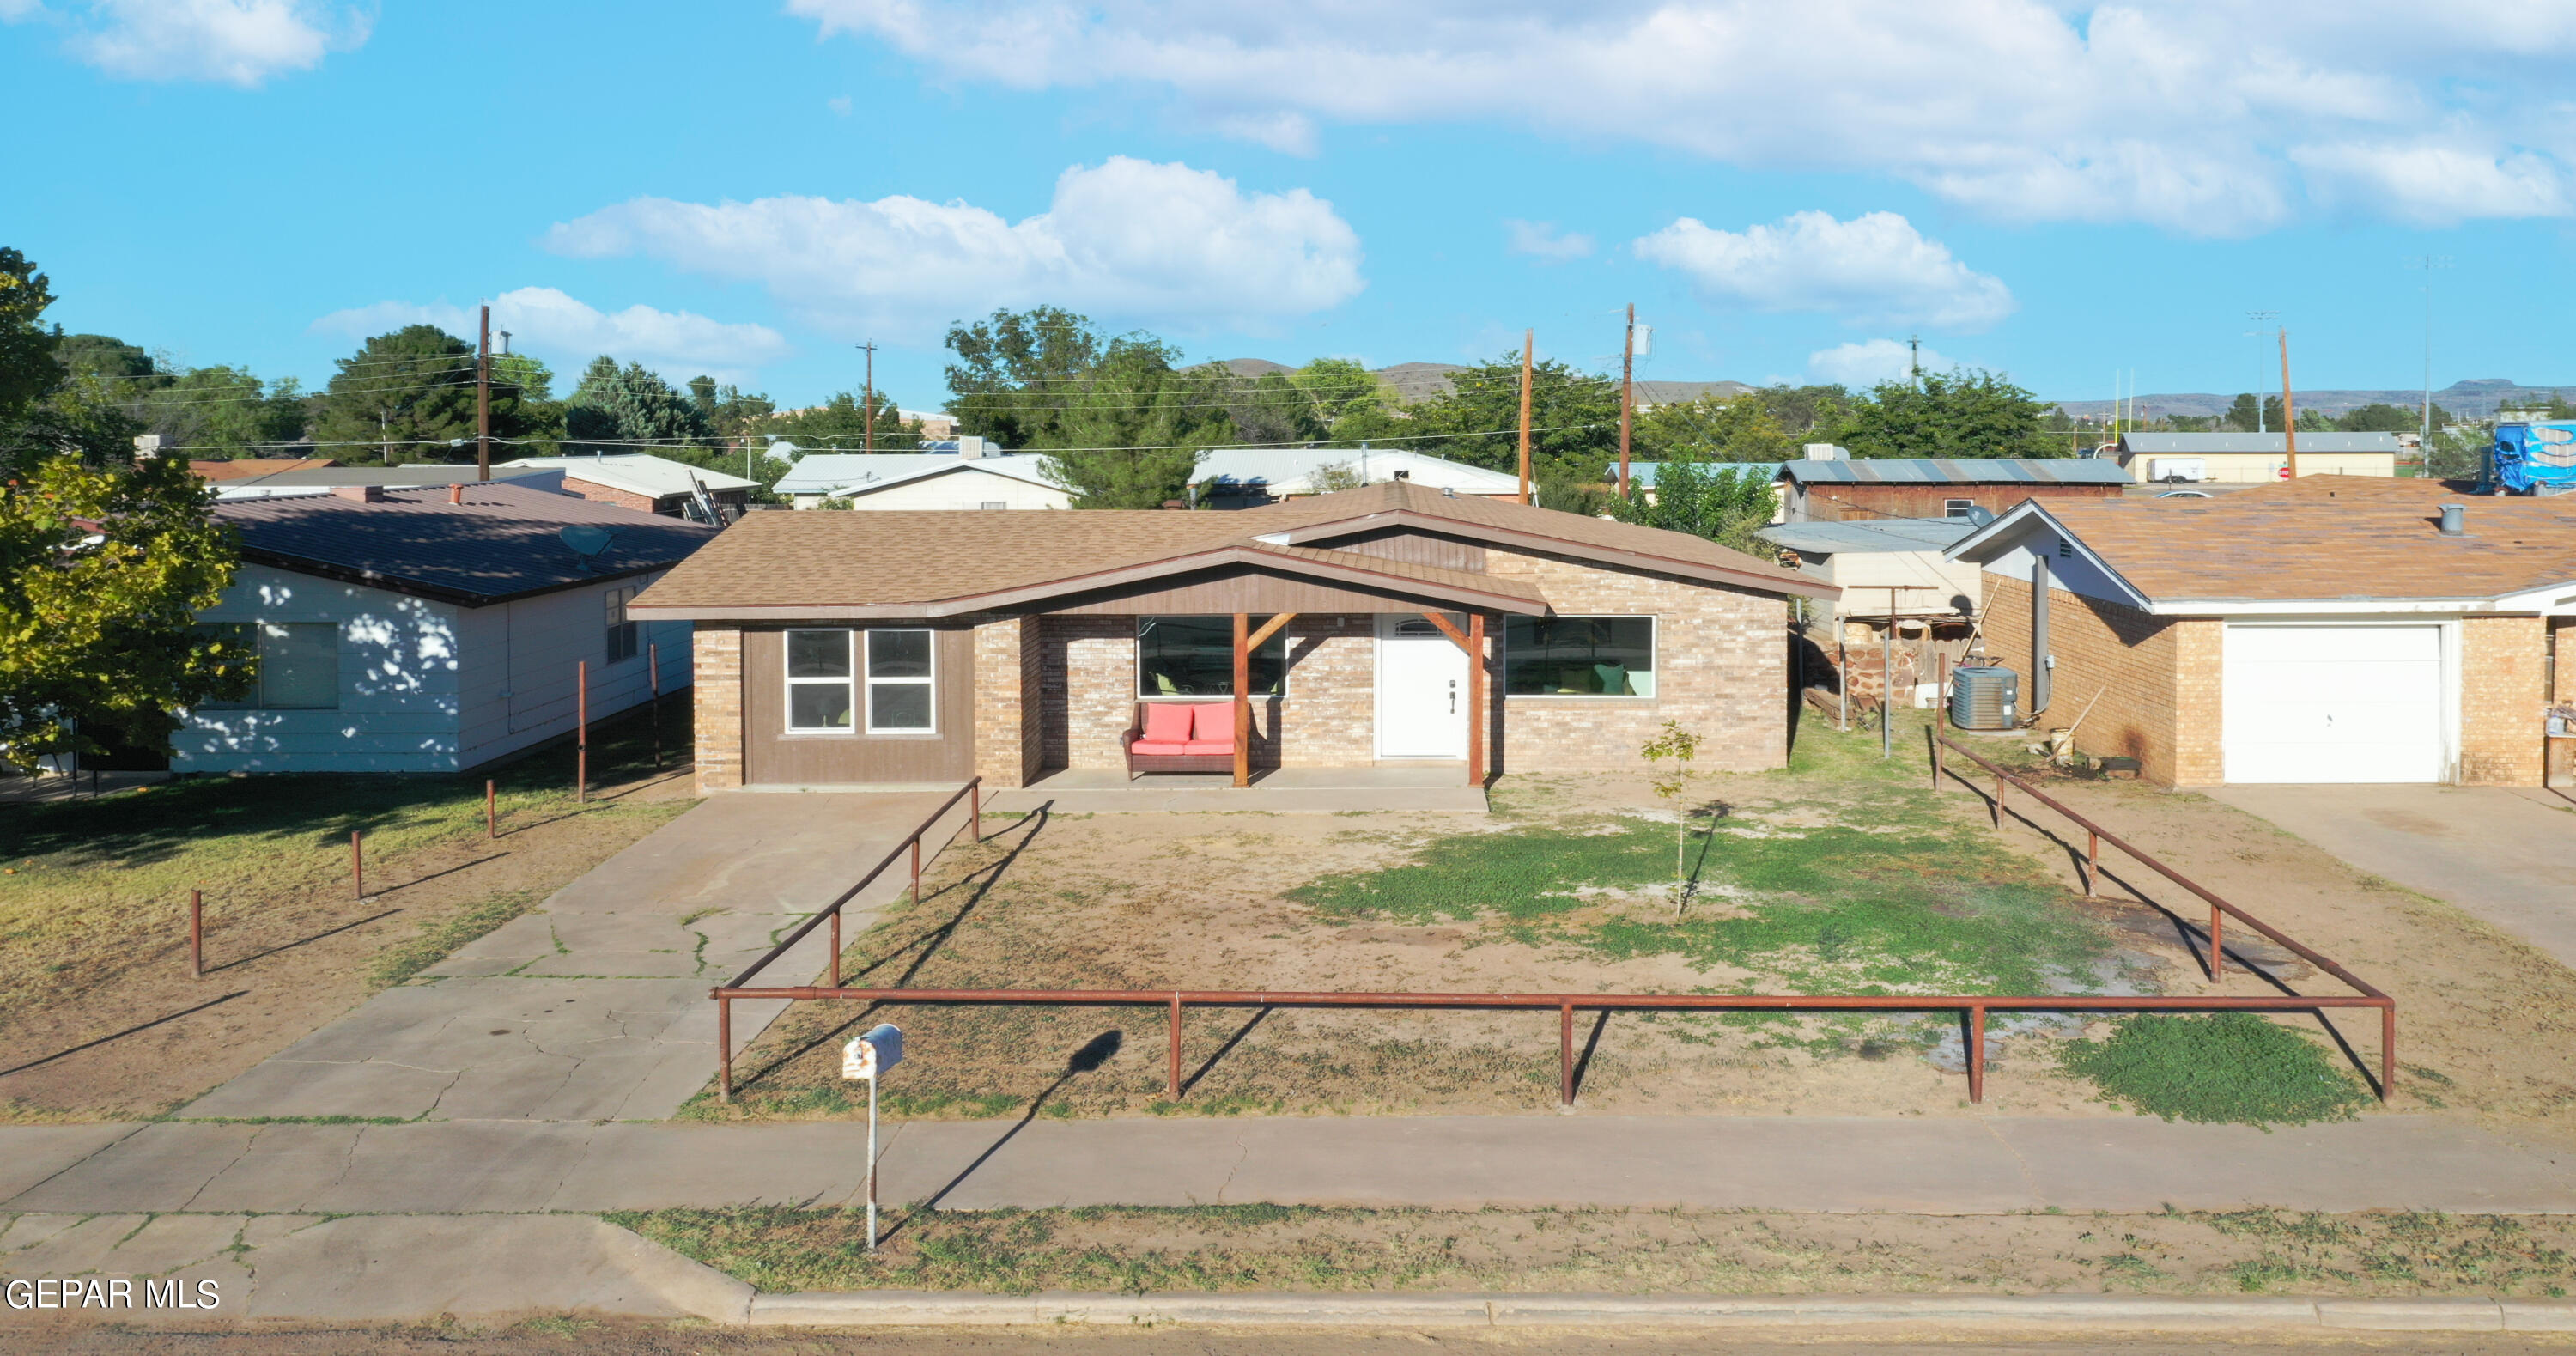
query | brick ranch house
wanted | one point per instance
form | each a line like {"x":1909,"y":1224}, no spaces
{"x":907,"y":648}
{"x":2319,"y":630}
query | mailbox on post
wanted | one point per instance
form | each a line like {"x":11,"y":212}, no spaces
{"x":869,"y":1057}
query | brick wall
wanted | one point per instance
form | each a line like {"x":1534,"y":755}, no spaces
{"x":2501,"y":663}
{"x":1009,"y":742}
{"x":604,"y":494}
{"x":2158,"y":676}
{"x":716,"y":656}
{"x":1721,"y":661}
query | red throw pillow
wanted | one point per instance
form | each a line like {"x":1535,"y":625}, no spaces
{"x":1167,"y":722}
{"x":1213,"y":722}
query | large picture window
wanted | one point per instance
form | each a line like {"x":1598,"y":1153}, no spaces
{"x":299,"y":665}
{"x":1579,"y":656}
{"x":1194,"y":657}
{"x":819,"y":681}
{"x":899,"y":683}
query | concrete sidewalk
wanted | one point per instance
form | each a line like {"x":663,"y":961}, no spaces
{"x":1287,"y":790}
{"x":2506,"y":855}
{"x":594,"y":1005}
{"x":1969,"y":1165}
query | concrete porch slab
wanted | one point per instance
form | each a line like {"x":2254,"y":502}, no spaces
{"x":1435,"y":787}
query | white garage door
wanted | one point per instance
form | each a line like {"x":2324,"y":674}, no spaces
{"x":2334,"y":704}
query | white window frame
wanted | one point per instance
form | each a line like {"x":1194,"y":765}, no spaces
{"x":1654,"y":649}
{"x":1957,"y":508}
{"x":850,"y":680}
{"x":1287,"y":662}
{"x":620,"y":627}
{"x":929,"y":682}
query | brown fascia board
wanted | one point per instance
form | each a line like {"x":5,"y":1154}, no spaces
{"x":1474,"y":599}
{"x":1319,"y":533}
{"x":351,"y":574}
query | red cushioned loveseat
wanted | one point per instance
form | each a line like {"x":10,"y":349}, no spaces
{"x":1180,"y":737}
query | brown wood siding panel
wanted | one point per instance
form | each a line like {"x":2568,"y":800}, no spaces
{"x":1416,"y":548}
{"x":1232,"y":590}
{"x":773,"y":757}
{"x":1858,"y":503}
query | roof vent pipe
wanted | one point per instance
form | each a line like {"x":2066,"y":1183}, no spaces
{"x":456,"y":494}
{"x":2455,"y":520}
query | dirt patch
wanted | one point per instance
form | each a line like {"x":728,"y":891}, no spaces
{"x":114,"y":1027}
{"x":1260,"y":1247}
{"x":1839,"y":875}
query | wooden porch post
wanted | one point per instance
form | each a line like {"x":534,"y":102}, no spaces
{"x":1242,"y":699}
{"x":1479,"y":726}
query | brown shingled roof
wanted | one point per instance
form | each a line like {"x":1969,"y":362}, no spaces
{"x":2329,"y":537}
{"x":900,"y":563}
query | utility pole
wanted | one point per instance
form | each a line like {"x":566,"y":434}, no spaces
{"x":1528,"y":339}
{"x":1627,"y":395}
{"x":2259,"y":318}
{"x":483,"y":400}
{"x":868,"y":404}
{"x":1914,"y":360}
{"x":2289,"y":411}
{"x":2428,"y":263}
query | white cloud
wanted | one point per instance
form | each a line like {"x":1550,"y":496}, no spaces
{"x":2433,"y":183}
{"x":1541,"y":240}
{"x":1874,"y":269}
{"x":1872,"y":361}
{"x":234,"y":42}
{"x":1130,"y":239}
{"x":2208,"y":117}
{"x":568,"y":333}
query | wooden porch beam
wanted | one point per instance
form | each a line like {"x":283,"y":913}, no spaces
{"x":1450,"y":629}
{"x":1477,"y":696}
{"x":1268,"y":629}
{"x":1242,"y":700}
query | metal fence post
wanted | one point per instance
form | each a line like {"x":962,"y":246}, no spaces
{"x":724,"y":1048}
{"x":653,"y":665}
{"x":1999,"y":800}
{"x":581,"y":733}
{"x":2217,"y":946}
{"x":491,"y":819}
{"x":2092,"y":859}
{"x":196,"y":934}
{"x":836,"y":948}
{"x":1565,"y":1054}
{"x":975,"y":812}
{"x":916,"y":868}
{"x":2387,"y":1052}
{"x":1976,"y":1054}
{"x":357,"y":865}
{"x":1173,"y":1079}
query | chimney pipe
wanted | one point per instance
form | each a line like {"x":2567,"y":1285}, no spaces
{"x":456,"y":494}
{"x":2455,"y":520}
{"x":364,"y":494}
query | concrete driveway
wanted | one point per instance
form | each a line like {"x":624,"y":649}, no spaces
{"x":2506,"y":855}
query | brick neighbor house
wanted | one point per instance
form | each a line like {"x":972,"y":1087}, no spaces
{"x":2319,"y":630}
{"x":858,"y":649}
{"x":1830,"y":487}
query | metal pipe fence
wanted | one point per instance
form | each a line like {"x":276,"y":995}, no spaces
{"x":1973,"y":1009}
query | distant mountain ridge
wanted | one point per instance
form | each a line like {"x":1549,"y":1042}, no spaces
{"x":2466,"y":399}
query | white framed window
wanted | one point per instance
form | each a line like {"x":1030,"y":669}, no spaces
{"x":1579,"y":656}
{"x":820,"y":681}
{"x":902,"y":682}
{"x":1194,"y":657}
{"x":625,"y":638}
{"x":299,"y":665}
{"x":1956,"y":508}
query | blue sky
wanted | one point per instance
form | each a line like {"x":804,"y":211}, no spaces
{"x":2060,"y":192}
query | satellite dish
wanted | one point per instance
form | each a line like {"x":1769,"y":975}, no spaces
{"x":1980,"y":515}
{"x":585,"y":540}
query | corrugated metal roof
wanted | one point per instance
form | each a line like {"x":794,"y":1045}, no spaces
{"x":637,"y":473}
{"x":869,"y":472}
{"x":415,"y":473}
{"x":2187,"y":444}
{"x":1887,"y":534}
{"x":1644,"y":472}
{"x":1958,"y":471}
{"x":502,"y":542}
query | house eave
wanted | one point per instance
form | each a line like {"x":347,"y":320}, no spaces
{"x":1783,"y":585}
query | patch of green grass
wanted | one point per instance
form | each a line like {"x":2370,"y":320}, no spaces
{"x":1893,"y":907}
{"x":2226,"y":1067}
{"x":439,"y":938}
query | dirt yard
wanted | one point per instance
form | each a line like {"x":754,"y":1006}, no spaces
{"x":1838,"y":875}
{"x":101,"y":1018}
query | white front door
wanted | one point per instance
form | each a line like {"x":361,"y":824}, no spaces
{"x":2333,"y":703}
{"x":1421,"y":690}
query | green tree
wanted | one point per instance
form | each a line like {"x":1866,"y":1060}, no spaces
{"x":1737,"y":428}
{"x":630,"y":410}
{"x":27,"y":366}
{"x":838,"y":425}
{"x":1961,"y":413}
{"x":1133,"y":428}
{"x":1337,"y":389}
{"x":2243,"y":413}
{"x":1574,"y":418}
{"x":407,"y":394}
{"x":1725,"y":503}
{"x":1268,"y":409}
{"x":2380,"y":417}
{"x":102,"y":573}
{"x":1013,"y":371}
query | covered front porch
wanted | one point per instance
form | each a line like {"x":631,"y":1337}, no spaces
{"x":1290,"y":790}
